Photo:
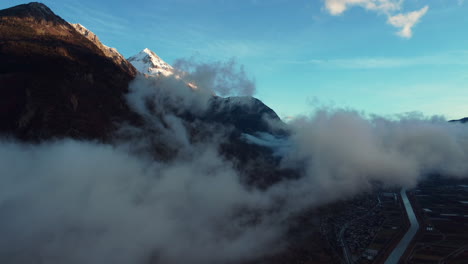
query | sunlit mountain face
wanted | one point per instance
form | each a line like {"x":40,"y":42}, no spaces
{"x":109,"y":157}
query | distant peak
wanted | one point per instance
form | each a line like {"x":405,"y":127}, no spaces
{"x":150,"y":52}
{"x":147,"y":62}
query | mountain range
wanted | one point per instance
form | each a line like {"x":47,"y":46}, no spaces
{"x":59,"y":81}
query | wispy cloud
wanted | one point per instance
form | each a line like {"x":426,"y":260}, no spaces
{"x":200,"y":40}
{"x":337,"y":7}
{"x":97,"y":20}
{"x":450,"y":58}
{"x":407,"y":21}
{"x":404,"y":21}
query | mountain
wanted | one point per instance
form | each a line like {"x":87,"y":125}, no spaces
{"x":463,"y":120}
{"x":58,"y":80}
{"x":147,"y":62}
{"x":54,"y":81}
{"x":33,"y":11}
{"x":246,"y":114}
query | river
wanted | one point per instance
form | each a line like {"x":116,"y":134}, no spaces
{"x":406,"y":240}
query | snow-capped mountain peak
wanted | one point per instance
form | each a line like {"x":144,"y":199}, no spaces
{"x":147,"y":62}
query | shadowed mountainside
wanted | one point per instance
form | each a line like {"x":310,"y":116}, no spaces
{"x":463,"y":120}
{"x":55,"y":82}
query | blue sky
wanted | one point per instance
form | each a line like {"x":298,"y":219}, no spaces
{"x":378,"y":56}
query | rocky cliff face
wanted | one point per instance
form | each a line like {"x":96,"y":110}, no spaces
{"x":111,"y":53}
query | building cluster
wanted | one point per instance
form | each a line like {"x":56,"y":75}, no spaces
{"x":362,"y":228}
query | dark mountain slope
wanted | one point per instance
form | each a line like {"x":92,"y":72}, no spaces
{"x":247,"y":114}
{"x":463,"y":120}
{"x":55,"y":82}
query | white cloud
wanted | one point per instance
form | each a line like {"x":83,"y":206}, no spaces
{"x":404,"y":21}
{"x":407,"y":21}
{"x":337,"y":7}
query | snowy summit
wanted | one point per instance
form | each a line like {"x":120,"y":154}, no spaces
{"x":147,"y":62}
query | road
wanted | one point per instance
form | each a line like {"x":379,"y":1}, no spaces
{"x":406,"y":240}
{"x":346,"y":253}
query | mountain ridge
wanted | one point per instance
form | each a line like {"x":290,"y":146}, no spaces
{"x":33,"y":10}
{"x":462,"y":120}
{"x":111,"y":53}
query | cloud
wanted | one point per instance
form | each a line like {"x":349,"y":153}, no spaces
{"x":191,"y":87}
{"x":81,"y":202}
{"x":338,"y":7}
{"x":161,"y":193}
{"x":164,"y":194}
{"x":361,"y":63}
{"x":407,"y":21}
{"x":458,"y":58}
{"x":344,"y":152}
{"x":98,"y":20}
{"x":221,"y":78}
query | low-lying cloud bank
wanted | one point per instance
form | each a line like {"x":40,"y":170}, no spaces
{"x":344,"y":152}
{"x":80,"y":202}
{"x":70,"y":201}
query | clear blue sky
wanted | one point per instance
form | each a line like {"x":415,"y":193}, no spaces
{"x":378,"y":56}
